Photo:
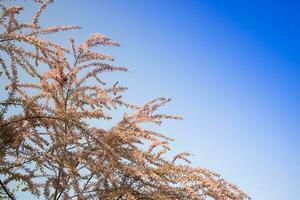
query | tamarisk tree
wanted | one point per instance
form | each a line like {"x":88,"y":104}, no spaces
{"x":48,"y":143}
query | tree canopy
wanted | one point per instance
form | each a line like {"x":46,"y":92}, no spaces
{"x":47,"y":141}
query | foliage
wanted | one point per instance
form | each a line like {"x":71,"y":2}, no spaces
{"x":47,"y":142}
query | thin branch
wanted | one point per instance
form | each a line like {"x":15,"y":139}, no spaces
{"x":61,"y":192}
{"x":86,"y":184}
{"x":31,"y":117}
{"x":6,"y":191}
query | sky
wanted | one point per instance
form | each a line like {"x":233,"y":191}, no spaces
{"x":231,"y":68}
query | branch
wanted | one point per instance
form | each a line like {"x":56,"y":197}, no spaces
{"x":86,"y":184}
{"x":61,"y":192}
{"x":4,"y":40}
{"x":32,"y":117}
{"x":6,"y":191}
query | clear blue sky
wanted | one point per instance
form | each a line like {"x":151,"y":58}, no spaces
{"x":232,"y":69}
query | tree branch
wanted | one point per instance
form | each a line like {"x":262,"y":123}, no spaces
{"x":31,"y":117}
{"x":6,"y":191}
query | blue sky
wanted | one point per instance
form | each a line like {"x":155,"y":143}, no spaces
{"x":231,"y":68}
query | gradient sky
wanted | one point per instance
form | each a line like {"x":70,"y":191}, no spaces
{"x":232,"y":69}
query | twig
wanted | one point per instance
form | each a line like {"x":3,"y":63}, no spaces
{"x":6,"y":191}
